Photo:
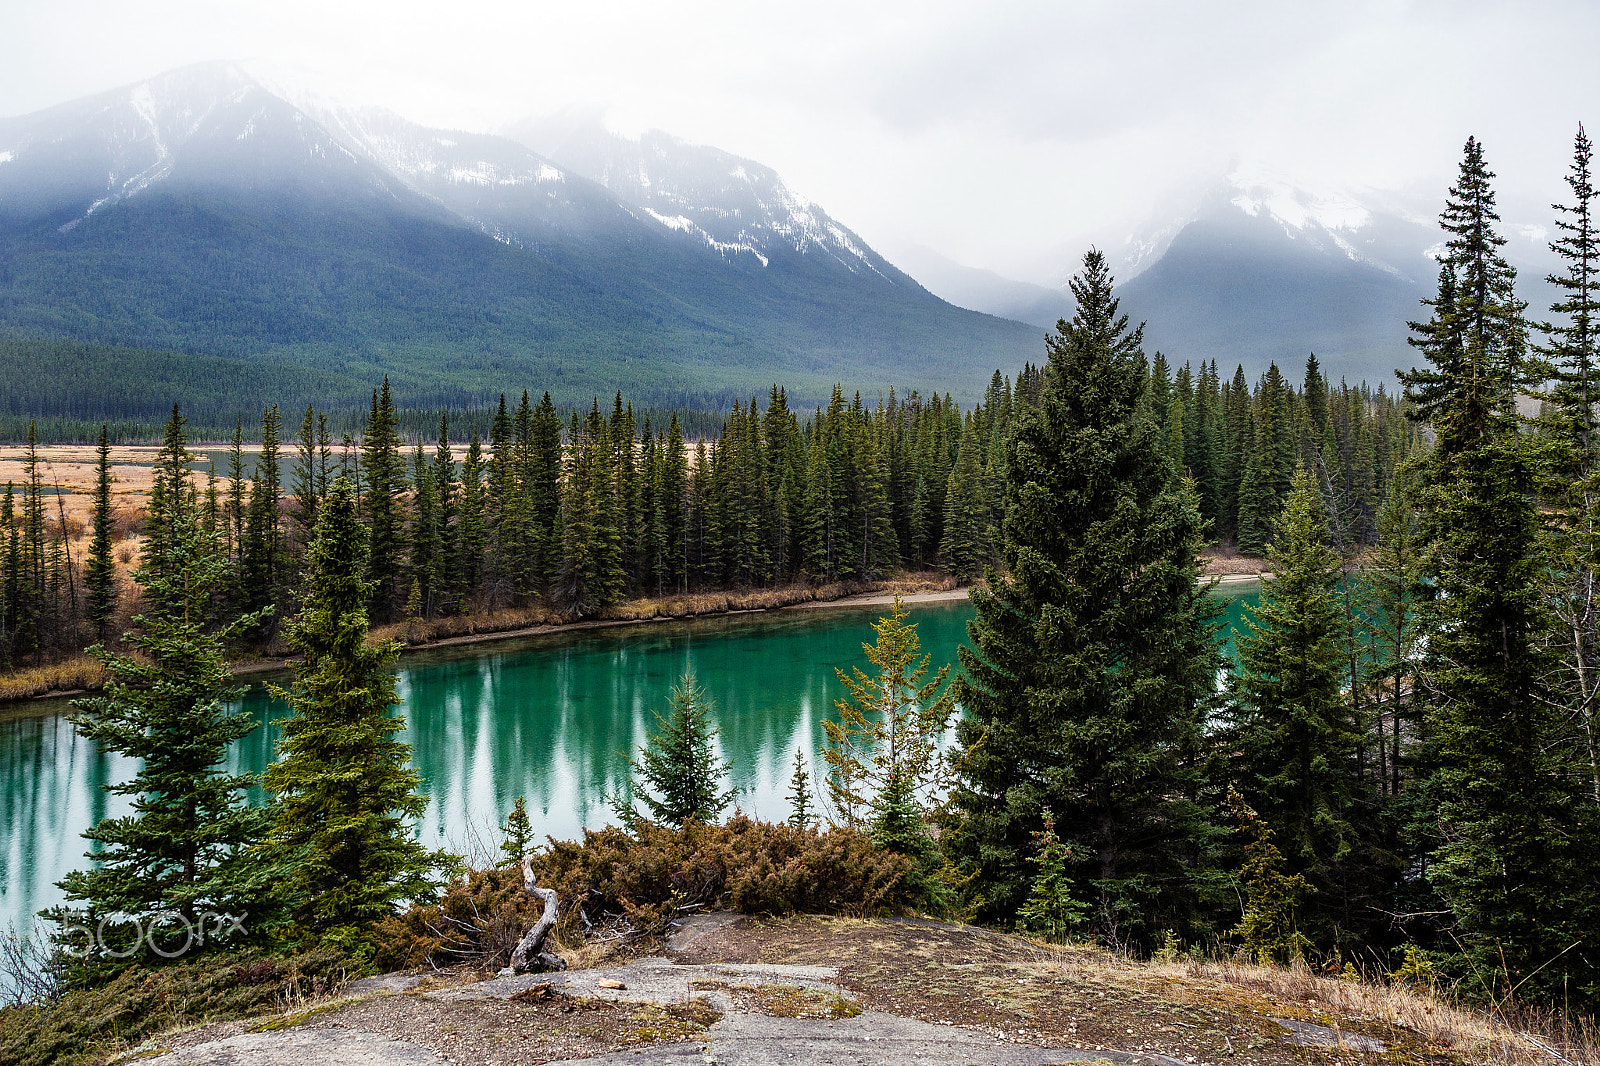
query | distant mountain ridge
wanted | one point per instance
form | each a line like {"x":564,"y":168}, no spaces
{"x":1258,"y":269}
{"x":199,"y":211}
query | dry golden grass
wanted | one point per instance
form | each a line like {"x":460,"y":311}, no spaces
{"x":78,"y":672}
{"x":1415,"y":1020}
{"x":686,"y":605}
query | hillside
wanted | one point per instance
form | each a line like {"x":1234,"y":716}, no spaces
{"x":850,"y":991}
{"x":200,"y":213}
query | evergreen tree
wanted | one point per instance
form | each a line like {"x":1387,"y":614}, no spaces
{"x":678,"y":773}
{"x":544,"y":493}
{"x":1574,"y":485}
{"x":1515,"y":868}
{"x":1093,"y":655}
{"x":425,"y":563}
{"x":1268,"y":928}
{"x":344,"y":797}
{"x":306,"y":489}
{"x":1264,"y":486}
{"x":446,"y":504}
{"x":674,"y":502}
{"x":1239,"y":431}
{"x":383,"y":476}
{"x":473,"y":528}
{"x":100,"y":576}
{"x":884,"y":747}
{"x":185,"y":847}
{"x":801,"y":815}
{"x":1294,"y":732}
{"x":12,"y":591}
{"x":519,"y":834}
{"x":236,"y":498}
{"x":1396,"y":592}
{"x":964,"y":551}
{"x":171,"y":498}
{"x":1315,"y":393}
{"x":1051,"y":911}
{"x":263,"y":548}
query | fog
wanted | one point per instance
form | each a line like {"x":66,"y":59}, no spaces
{"x":1001,"y":135}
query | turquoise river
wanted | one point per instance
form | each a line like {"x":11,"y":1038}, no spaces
{"x":551,"y":718}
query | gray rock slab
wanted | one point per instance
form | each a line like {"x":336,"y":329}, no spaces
{"x":695,"y":926}
{"x":303,"y":1047}
{"x":652,"y":980}
{"x":389,"y":982}
{"x":871,"y":1039}
{"x":1306,"y":1034}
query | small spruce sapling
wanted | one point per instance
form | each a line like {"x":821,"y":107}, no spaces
{"x":801,"y":814}
{"x":1267,"y":929}
{"x":1051,"y":912}
{"x":519,"y":834}
{"x":678,"y":768}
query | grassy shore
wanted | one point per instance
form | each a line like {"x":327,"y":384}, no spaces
{"x":79,"y":674}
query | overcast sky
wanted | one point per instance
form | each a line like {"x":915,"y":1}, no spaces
{"x":1002,"y":135}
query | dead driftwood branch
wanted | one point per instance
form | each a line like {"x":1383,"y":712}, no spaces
{"x":530,"y":956}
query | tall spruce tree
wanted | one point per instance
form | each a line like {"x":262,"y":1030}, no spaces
{"x":185,"y":849}
{"x":1515,"y":867}
{"x":964,"y":551}
{"x":383,"y":476}
{"x":544,"y":492}
{"x":263,"y":545}
{"x":473,"y":527}
{"x":100,"y":576}
{"x":1574,"y":485}
{"x":344,"y":798}
{"x":1093,"y":653}
{"x":307,"y":485}
{"x":1295,"y":735}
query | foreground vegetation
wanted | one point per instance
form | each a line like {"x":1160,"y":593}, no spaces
{"x":1398,"y":778}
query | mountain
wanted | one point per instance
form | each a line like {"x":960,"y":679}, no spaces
{"x":1263,"y":271}
{"x":736,"y":207}
{"x":986,"y":290}
{"x":201,"y":212}
{"x":1257,"y":268}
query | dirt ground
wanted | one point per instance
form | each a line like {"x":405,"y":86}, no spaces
{"x":1061,"y":998}
{"x":523,"y":1031}
{"x":1018,"y":992}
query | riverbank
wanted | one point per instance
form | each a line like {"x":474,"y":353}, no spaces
{"x":37,"y":690}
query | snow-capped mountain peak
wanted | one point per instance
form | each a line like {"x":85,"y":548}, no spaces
{"x":734,"y":206}
{"x":1261,"y":193}
{"x":206,"y":124}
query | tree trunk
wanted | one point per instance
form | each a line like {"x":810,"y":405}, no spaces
{"x":530,"y":956}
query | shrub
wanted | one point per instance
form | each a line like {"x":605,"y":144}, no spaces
{"x":637,"y":882}
{"x":86,"y":1025}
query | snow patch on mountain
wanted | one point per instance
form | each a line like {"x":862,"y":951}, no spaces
{"x":1295,"y":207}
{"x":728,"y":249}
{"x":731,"y":203}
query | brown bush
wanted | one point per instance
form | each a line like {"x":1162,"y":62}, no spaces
{"x":126,"y":521}
{"x":631,"y":885}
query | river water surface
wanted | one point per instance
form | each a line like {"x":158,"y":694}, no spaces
{"x":551,"y":718}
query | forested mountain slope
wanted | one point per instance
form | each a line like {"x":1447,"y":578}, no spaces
{"x":200,"y":213}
